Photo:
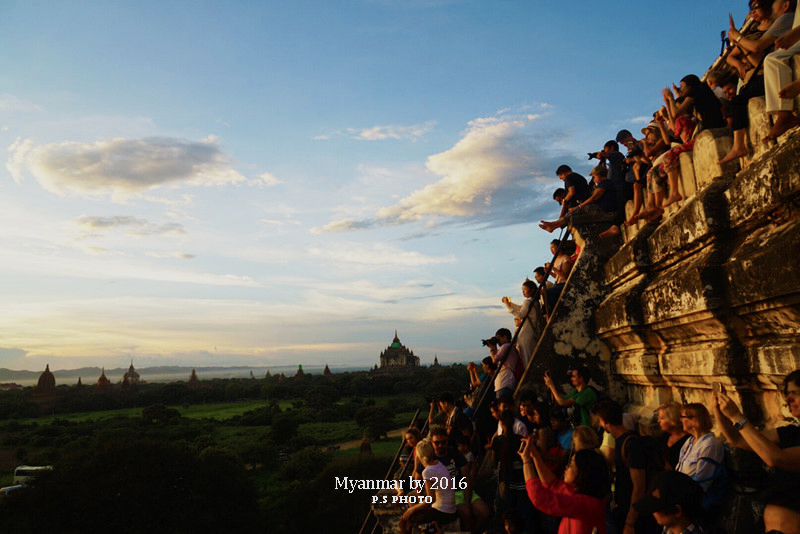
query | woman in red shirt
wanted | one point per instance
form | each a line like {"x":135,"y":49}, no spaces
{"x":580,"y":498}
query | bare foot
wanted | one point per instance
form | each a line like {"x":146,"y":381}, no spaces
{"x":634,"y":218}
{"x":611,"y":232}
{"x":783,"y":123}
{"x":735,"y":153}
{"x":790,"y":91}
{"x":549,"y":226}
{"x":654,"y":213}
{"x":672,"y":199}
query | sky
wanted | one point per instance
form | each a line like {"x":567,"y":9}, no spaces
{"x":267,"y":183}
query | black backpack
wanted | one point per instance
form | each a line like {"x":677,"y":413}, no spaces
{"x":656,"y":462}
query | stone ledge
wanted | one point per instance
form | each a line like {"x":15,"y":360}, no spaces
{"x":691,"y":228}
{"x":766,"y":184}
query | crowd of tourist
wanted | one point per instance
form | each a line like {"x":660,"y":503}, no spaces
{"x":576,"y":463}
{"x":565,"y":457}
{"x":757,"y":64}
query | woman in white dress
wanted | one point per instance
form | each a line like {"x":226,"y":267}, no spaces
{"x":529,"y":335}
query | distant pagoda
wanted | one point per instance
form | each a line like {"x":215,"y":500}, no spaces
{"x":397,"y":357}
{"x":45,"y":394}
{"x":103,"y":383}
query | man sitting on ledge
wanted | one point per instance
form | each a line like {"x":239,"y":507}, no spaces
{"x":602,"y":202}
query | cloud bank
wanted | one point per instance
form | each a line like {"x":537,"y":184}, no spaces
{"x":488,"y":174}
{"x":121,"y":167}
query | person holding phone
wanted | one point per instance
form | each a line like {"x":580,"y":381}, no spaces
{"x":579,"y":499}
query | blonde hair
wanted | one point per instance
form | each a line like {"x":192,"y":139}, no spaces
{"x":584,"y":437}
{"x":673,"y":412}
{"x":599,"y":170}
{"x":424,"y":450}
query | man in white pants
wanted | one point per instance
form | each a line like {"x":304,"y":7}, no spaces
{"x":778,"y":74}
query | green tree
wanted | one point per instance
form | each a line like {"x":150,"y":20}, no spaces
{"x":376,"y":421}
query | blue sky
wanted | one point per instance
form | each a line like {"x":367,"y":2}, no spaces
{"x":257,"y":183}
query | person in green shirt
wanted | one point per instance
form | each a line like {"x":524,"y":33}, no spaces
{"x":582,"y":398}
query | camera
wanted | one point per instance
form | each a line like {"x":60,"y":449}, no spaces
{"x":595,"y":155}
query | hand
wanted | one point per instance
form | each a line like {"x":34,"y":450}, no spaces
{"x":548,"y":381}
{"x":733,"y":33}
{"x":527,"y":447}
{"x":546,"y":265}
{"x":729,"y":408}
{"x":505,"y":300}
{"x":782,"y":42}
{"x":628,"y":529}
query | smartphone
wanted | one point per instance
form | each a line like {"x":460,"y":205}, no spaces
{"x":717,"y":388}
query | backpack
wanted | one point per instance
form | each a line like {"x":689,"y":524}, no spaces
{"x":655,"y":458}
{"x":719,"y":482}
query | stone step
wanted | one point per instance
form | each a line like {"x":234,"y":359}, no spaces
{"x":758,"y":129}
{"x":710,"y":147}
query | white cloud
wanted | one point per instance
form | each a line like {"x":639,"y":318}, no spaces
{"x":382,"y":133}
{"x":265,"y":180}
{"x":95,"y":226}
{"x":483,"y":173}
{"x":121,"y":167}
{"x":377,"y":255}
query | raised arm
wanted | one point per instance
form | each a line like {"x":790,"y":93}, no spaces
{"x":764,"y":444}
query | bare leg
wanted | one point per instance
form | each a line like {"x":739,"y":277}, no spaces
{"x":637,"y":204}
{"x":739,"y":148}
{"x":783,"y":121}
{"x":610,"y":232}
{"x":790,"y":91}
{"x":673,"y":176}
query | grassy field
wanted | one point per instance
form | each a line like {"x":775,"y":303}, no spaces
{"x":219,"y":411}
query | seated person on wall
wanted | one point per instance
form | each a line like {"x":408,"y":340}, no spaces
{"x":576,"y":186}
{"x":692,"y":101}
{"x":778,"y":87}
{"x":778,"y":447}
{"x":674,"y":502}
{"x":582,"y":398}
{"x":744,"y":61}
{"x":506,"y":404}
{"x":754,"y":49}
{"x":650,"y":175}
{"x":560,"y":271}
{"x":509,"y":364}
{"x":674,"y":436}
{"x":580,"y":498}
{"x":472,"y":510}
{"x":443,"y":508}
{"x":602,"y":201}
{"x":613,"y":159}
{"x":702,"y":453}
{"x":543,"y":431}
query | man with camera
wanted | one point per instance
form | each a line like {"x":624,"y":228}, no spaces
{"x":581,"y":399}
